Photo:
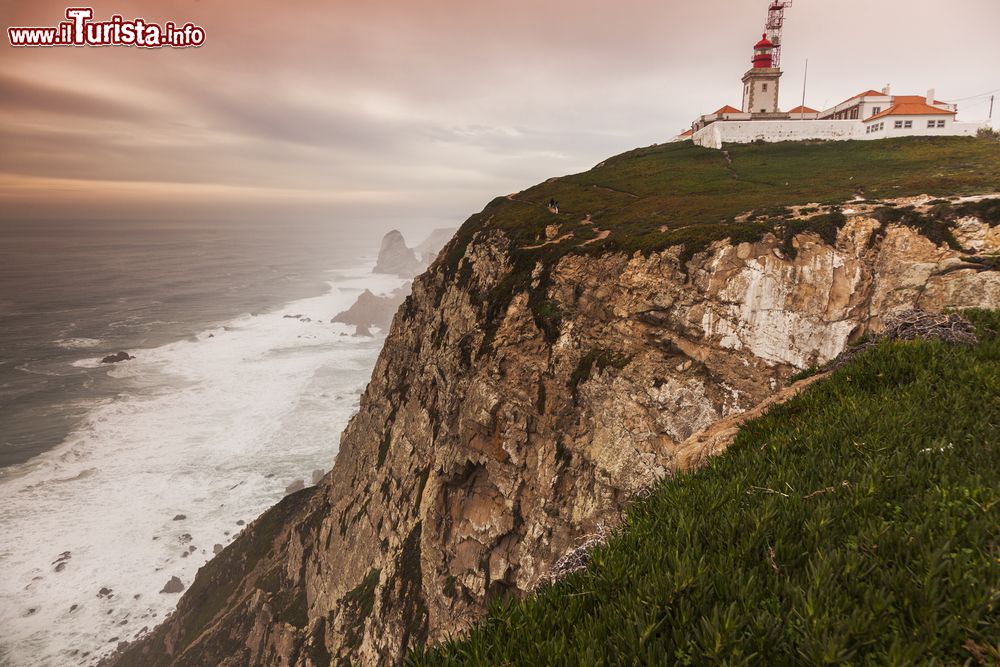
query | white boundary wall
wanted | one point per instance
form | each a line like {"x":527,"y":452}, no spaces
{"x":748,"y":131}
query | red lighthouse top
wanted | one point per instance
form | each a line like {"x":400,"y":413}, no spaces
{"x":763,"y":53}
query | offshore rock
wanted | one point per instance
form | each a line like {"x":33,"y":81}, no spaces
{"x":395,"y":257}
{"x":372,"y":310}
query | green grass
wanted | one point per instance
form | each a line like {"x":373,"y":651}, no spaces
{"x":694,"y":193}
{"x":857,"y":524}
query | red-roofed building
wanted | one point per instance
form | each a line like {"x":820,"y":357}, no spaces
{"x":727,"y":112}
{"x":870,"y":103}
{"x":871,"y":114}
{"x":803,"y":112}
{"x":909,"y":115}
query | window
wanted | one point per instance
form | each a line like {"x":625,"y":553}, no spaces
{"x":868,"y":130}
{"x":899,"y":124}
{"x":932,"y":123}
{"x":764,"y":88}
{"x":876,"y":111}
{"x":940,"y":123}
{"x":908,"y":124}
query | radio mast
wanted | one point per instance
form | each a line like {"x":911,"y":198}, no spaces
{"x":775,"y":22}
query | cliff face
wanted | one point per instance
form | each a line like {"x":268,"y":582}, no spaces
{"x":496,"y":432}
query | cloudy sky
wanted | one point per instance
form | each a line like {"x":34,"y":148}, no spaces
{"x":422,"y":110}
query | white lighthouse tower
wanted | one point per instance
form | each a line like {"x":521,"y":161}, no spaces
{"x":760,"y":83}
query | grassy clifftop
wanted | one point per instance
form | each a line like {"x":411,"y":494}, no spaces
{"x":856,"y":524}
{"x":677,"y":194}
{"x":681,"y":195}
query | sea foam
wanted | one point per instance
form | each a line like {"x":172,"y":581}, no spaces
{"x":205,"y":435}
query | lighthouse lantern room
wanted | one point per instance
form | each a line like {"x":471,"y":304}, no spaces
{"x":760,"y":83}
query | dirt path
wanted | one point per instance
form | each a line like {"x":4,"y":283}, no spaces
{"x":551,"y":242}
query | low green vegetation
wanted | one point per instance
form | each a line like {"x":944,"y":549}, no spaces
{"x":678,"y":194}
{"x":804,"y":374}
{"x":859,"y":524}
{"x":935,"y":224}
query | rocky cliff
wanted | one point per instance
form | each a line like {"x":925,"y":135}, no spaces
{"x":523,"y":396}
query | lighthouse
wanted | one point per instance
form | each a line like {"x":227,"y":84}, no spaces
{"x":760,"y":83}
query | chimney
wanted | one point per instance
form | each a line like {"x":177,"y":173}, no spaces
{"x":887,"y":90}
{"x":930,"y":97}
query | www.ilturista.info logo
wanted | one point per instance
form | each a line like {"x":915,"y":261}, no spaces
{"x":79,"y":30}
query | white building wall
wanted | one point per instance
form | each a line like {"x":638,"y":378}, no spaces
{"x":748,"y":131}
{"x":869,"y":107}
{"x":867,"y":103}
{"x":919,"y":127}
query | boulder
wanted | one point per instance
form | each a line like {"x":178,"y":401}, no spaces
{"x":116,"y":358}
{"x":175,"y":585}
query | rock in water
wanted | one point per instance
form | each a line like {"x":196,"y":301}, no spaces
{"x":115,"y":358}
{"x":175,"y":585}
{"x":372,"y":310}
{"x":297,"y":485}
{"x":396,"y":258}
{"x":317,"y":476}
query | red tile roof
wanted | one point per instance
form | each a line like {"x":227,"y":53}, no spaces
{"x":686,"y":133}
{"x":727,"y":109}
{"x":920,"y":108}
{"x":899,"y":99}
{"x":802,"y":109}
{"x":867,"y":93}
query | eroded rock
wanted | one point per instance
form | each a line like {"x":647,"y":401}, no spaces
{"x":174,"y":585}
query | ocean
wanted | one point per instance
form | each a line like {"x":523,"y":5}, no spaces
{"x":115,"y":478}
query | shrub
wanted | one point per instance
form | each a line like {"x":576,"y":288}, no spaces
{"x":988,"y":133}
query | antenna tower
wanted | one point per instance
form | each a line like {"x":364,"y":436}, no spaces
{"x":775,"y":22}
